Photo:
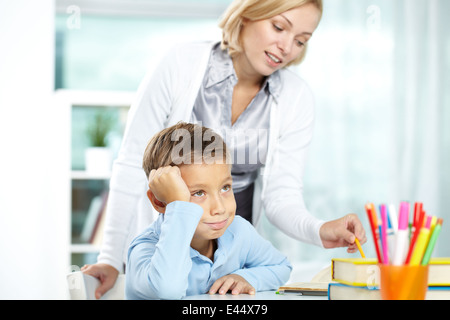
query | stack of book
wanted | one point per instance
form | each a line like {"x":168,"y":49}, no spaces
{"x":358,"y":279}
{"x":92,"y":231}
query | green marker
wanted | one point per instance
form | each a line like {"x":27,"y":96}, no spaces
{"x":432,"y":243}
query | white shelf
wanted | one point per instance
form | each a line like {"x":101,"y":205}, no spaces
{"x":95,"y":98}
{"x":66,"y":100}
{"x":85,"y":175}
{"x":84,"y":248}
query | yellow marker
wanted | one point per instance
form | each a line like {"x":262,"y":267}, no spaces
{"x":359,"y":247}
{"x":420,"y":247}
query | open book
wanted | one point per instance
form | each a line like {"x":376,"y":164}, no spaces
{"x":317,"y":287}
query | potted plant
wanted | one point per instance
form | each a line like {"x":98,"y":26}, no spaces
{"x":98,"y":157}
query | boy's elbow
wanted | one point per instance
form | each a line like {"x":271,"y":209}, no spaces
{"x":287,"y":273}
{"x":154,"y":289}
{"x":148,"y":293}
{"x":168,"y":286}
{"x":138,"y":290}
{"x":283,"y":272}
{"x":170,"y":294}
{"x":287,"y":267}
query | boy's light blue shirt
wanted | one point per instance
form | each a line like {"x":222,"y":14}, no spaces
{"x":162,"y":265}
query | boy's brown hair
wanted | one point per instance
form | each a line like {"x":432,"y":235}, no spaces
{"x":184,"y":143}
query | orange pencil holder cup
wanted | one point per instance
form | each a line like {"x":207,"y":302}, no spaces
{"x":403,"y":282}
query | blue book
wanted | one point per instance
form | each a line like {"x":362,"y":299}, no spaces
{"x":339,"y":291}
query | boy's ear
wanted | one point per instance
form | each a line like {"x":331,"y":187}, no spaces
{"x":158,"y":205}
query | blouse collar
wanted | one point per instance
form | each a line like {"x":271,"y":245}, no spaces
{"x":221,"y":68}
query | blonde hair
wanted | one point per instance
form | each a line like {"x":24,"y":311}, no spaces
{"x":232,"y":20}
{"x":184,"y":143}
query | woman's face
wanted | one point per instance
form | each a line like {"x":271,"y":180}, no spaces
{"x":273,"y":43}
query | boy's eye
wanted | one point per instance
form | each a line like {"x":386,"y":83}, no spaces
{"x":200,"y":193}
{"x":226,"y":188}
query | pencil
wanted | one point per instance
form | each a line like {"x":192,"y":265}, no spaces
{"x":359,"y":248}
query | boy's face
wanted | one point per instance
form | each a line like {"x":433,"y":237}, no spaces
{"x":210,"y":188}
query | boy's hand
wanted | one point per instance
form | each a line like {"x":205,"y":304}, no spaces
{"x":233,"y":282}
{"x":167,"y":185}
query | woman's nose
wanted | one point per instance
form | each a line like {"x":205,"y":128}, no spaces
{"x":285,"y":45}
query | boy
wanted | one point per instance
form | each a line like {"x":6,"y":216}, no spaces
{"x":197,"y":245}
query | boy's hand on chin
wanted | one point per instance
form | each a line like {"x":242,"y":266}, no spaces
{"x":167,"y":185}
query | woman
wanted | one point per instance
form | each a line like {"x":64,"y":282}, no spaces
{"x":241,"y":88}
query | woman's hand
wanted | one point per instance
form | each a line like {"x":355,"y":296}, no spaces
{"x":342,"y":233}
{"x":103,"y":272}
{"x":233,"y":282}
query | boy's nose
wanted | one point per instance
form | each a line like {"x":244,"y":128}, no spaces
{"x":217,"y":206}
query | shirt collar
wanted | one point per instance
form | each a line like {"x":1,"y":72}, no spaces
{"x":273,"y":84}
{"x":221,"y":253}
{"x":221,"y":68}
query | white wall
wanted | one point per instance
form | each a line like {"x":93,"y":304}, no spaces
{"x":34,"y":158}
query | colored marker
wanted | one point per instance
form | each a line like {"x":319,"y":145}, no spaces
{"x":422,"y":216}
{"x":421,"y":244}
{"x":373,"y":227}
{"x":384,"y":227}
{"x":393,"y":217}
{"x":402,"y":237}
{"x":390,"y":234}
{"x":432,"y":243}
{"x":415,"y":236}
{"x":433,"y":224}
{"x":417,"y":215}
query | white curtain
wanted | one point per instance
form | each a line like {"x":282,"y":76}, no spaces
{"x":380,"y":73}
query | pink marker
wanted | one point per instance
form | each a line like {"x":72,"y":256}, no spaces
{"x":428,"y":223}
{"x":384,"y":242}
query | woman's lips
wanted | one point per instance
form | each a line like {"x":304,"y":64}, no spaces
{"x":217,"y":225}
{"x":272,"y":59}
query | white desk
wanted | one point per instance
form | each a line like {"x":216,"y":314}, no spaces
{"x":267,"y":305}
{"x":265,"y":295}
{"x":82,"y":287}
